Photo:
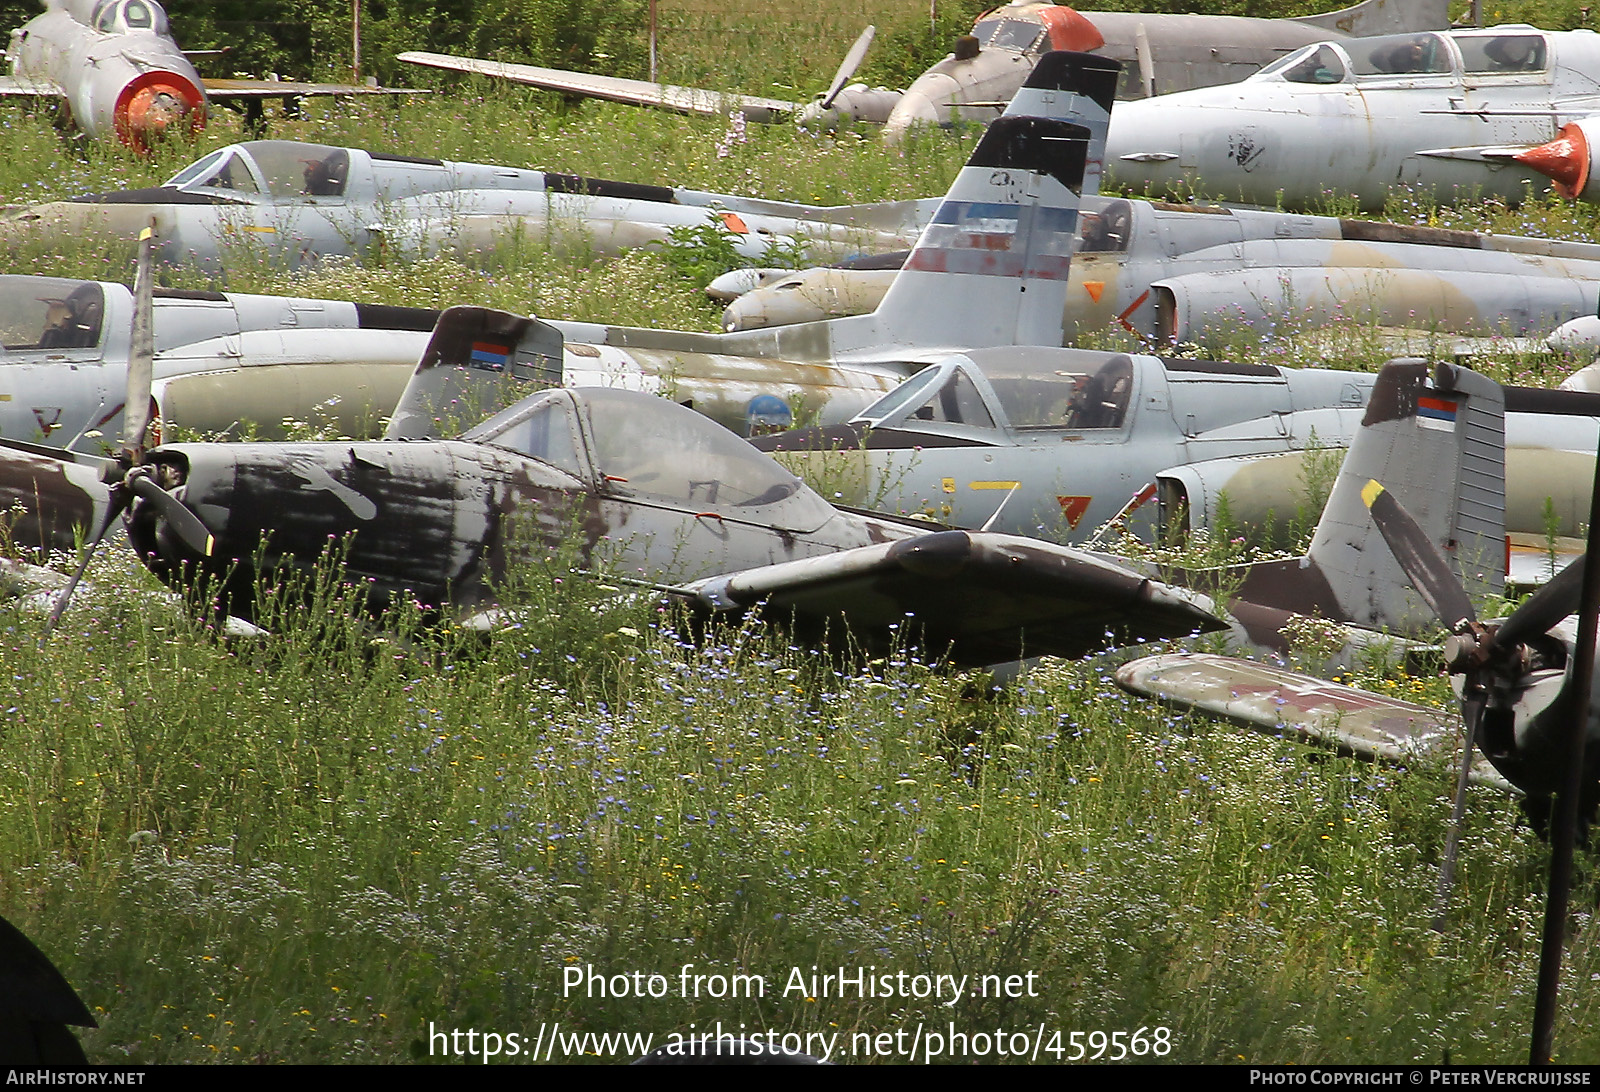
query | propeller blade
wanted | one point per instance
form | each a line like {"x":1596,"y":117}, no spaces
{"x":1419,"y":558}
{"x":116,"y":506}
{"x":141,"y":354}
{"x":1544,"y":608}
{"x":1471,"y":713}
{"x":187,"y":525}
{"x":848,"y":66}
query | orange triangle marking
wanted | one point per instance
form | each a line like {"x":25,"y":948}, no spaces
{"x":1094,"y":288}
{"x":1074,"y":509}
{"x":734,"y":224}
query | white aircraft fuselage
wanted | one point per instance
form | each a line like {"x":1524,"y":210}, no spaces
{"x":1444,"y":113}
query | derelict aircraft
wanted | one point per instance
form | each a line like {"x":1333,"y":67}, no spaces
{"x":649,"y":492}
{"x":1160,"y":52}
{"x":297,"y":203}
{"x":1060,"y":443}
{"x":997,"y":247}
{"x":1455,"y":114}
{"x":119,"y":72}
{"x":1177,"y":273}
{"x":218,"y":358}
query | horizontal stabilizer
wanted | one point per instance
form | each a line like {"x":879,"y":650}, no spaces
{"x":1311,"y":710}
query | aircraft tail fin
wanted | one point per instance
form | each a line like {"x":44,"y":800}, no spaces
{"x":1375,"y":17}
{"x":991,"y":268}
{"x":1435,"y":438}
{"x":478,"y":361}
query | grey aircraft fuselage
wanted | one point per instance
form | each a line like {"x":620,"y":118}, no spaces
{"x":298,"y":203}
{"x":1457,"y":114}
{"x":1160,"y":52}
{"x":1056,"y":443}
{"x":1212,"y":275}
{"x":120,"y":73}
{"x":220,"y":359}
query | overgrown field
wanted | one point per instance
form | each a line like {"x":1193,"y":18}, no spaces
{"x":325,"y":845}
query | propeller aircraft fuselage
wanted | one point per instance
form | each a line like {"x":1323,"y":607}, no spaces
{"x":119,"y":71}
{"x":640,"y":490}
{"x":297,"y":203}
{"x":1160,"y":52}
{"x":1492,"y":112}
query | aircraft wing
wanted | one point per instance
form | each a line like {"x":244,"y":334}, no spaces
{"x":685,"y":100}
{"x":223,"y":90}
{"x":12,"y":85}
{"x":1311,"y":710}
{"x":988,"y":598}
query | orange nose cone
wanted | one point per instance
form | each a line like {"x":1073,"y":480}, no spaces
{"x":155,"y":103}
{"x":1070,"y":30}
{"x":1565,"y":160}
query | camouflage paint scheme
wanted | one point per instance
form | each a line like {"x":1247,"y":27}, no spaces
{"x":645,"y":491}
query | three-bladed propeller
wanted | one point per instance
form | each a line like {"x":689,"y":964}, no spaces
{"x":1494,"y":661}
{"x":134,"y":478}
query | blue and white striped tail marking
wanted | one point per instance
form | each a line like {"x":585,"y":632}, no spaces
{"x":983,"y":238}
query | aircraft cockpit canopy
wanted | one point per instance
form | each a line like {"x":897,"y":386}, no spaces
{"x":1506,"y":51}
{"x":128,"y":16}
{"x":652,"y":449}
{"x":1021,"y":387}
{"x":1313,"y":64}
{"x":50,"y":313}
{"x":277,"y":168}
{"x":1016,"y":35}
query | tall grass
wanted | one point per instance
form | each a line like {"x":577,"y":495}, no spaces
{"x":310,"y":848}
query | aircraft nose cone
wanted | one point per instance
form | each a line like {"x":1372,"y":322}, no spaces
{"x":1564,"y":160}
{"x":155,"y":103}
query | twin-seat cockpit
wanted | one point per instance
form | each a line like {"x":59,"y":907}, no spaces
{"x":1519,"y":53}
{"x":280,"y":169}
{"x":1027,"y":395}
{"x":1012,"y":394}
{"x":647,"y":449}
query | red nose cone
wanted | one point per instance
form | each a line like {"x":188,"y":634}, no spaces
{"x":155,"y":103}
{"x":1069,"y":30}
{"x":1564,"y":160}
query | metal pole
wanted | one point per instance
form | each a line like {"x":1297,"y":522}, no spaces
{"x":1564,"y":823}
{"x":355,"y":38}
{"x":652,"y":41}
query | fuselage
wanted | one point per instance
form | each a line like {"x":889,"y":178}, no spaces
{"x":297,"y":203}
{"x":1356,"y":120}
{"x":1217,"y":276}
{"x":116,"y":64}
{"x":1057,"y":443}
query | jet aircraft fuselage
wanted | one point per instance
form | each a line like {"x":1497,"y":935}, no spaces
{"x":1449,"y":114}
{"x":298,"y":203}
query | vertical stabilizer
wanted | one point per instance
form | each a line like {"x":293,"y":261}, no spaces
{"x":991,"y":268}
{"x":1435,"y":438}
{"x":478,"y":361}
